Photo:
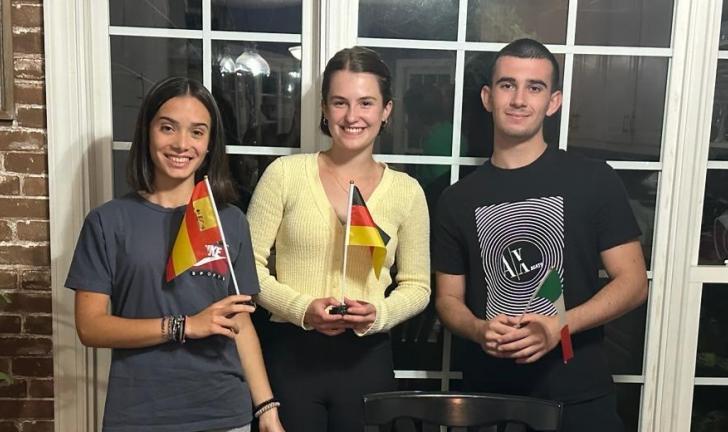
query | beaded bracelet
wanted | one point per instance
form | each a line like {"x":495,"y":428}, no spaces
{"x":173,"y":328}
{"x":265,"y":406}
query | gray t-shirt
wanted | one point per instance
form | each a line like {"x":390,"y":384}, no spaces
{"x":122,"y":251}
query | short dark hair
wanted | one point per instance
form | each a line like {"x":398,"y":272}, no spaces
{"x":140,"y":167}
{"x":356,"y":59}
{"x":528,"y":49}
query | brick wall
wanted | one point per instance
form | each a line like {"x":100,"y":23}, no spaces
{"x":26,"y":405}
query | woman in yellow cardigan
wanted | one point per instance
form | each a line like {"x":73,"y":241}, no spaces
{"x":320,"y":363}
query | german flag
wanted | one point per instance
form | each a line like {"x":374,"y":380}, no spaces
{"x":199,"y":241}
{"x":364,"y":232}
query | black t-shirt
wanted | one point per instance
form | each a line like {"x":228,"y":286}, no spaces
{"x":504,"y":229}
{"x":122,"y":251}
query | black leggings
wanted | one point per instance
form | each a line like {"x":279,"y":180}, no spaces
{"x":320,"y":380}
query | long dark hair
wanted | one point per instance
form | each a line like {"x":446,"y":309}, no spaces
{"x":356,"y":59}
{"x":140,"y":167}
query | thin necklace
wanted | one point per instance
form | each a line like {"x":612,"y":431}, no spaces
{"x":335,"y":176}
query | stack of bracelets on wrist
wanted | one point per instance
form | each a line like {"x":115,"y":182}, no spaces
{"x":173,"y":328}
{"x":265,"y":406}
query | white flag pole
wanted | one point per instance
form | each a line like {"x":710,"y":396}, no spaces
{"x":346,"y":238}
{"x":222,"y":236}
{"x":533,"y":296}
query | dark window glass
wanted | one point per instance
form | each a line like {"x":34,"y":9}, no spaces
{"x":714,"y":228}
{"x":175,"y":14}
{"x":137,"y":63}
{"x":617,"y":107}
{"x":624,"y":339}
{"x":628,"y":405}
{"x":409,"y":19}
{"x":408,"y":384}
{"x":645,"y":23}
{"x":258,"y":90}
{"x":476,"y":139}
{"x":710,"y":411}
{"x":246,"y":171}
{"x":642,"y":191}
{"x":121,"y":187}
{"x":280,"y":16}
{"x":712,"y":356}
{"x":723,"y":41}
{"x":507,"y":20}
{"x":719,"y":124}
{"x":422,"y":89}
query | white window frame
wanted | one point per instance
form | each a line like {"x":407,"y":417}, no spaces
{"x":79,"y":153}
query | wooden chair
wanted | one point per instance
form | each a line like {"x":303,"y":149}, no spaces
{"x":460,"y":411}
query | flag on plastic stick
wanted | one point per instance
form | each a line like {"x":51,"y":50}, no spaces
{"x":550,"y":289}
{"x":364,"y":232}
{"x":200,"y":241}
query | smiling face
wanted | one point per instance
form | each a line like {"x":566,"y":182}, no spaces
{"x":355,"y":109}
{"x":179,"y":135}
{"x":520,"y":97}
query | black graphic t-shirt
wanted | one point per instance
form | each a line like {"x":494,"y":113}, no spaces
{"x":504,"y":229}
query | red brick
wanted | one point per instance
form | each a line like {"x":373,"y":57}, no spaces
{"x":14,"y":345}
{"x":9,"y":185}
{"x":37,"y":426}
{"x":37,"y":324}
{"x":33,"y":231}
{"x":29,"y":94}
{"x":35,"y":186}
{"x":8,"y":279}
{"x":17,"y":389}
{"x":26,"y":409}
{"x":40,"y":388}
{"x":25,"y":255}
{"x":6,"y":231}
{"x":27,"y":42}
{"x":29,"y":67}
{"x":31,"y":117}
{"x":36,"y":280}
{"x":6,"y":426}
{"x":27,"y":16}
{"x":27,"y":302}
{"x":34,"y":208}
{"x":9,"y":324}
{"x":21,"y":140}
{"x":39,"y":367}
{"x":26,"y":163}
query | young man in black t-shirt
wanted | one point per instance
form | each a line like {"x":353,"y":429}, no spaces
{"x":498,"y":231}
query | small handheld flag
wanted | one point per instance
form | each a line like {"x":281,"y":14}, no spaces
{"x":550,"y":289}
{"x":362,"y":231}
{"x":200,"y":240}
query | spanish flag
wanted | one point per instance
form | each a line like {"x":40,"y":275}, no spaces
{"x":363,"y":231}
{"x":200,"y":240}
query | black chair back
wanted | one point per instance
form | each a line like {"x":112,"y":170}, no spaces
{"x":461,"y":411}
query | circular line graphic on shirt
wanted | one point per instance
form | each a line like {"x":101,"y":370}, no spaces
{"x":519,"y":243}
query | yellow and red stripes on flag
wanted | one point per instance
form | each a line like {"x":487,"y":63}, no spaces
{"x":199,"y":236}
{"x":364,"y":232}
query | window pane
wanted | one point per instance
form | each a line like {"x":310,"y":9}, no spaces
{"x":712,"y":356}
{"x":723,"y":41}
{"x":714,"y":229}
{"x":617,"y":107}
{"x":156,"y":13}
{"x":476,"y":138}
{"x":628,"y":405}
{"x":624,"y":23}
{"x":719,"y":124}
{"x":422,"y":88}
{"x":408,"y":384}
{"x":507,"y":20}
{"x":245,"y":171}
{"x":258,"y":89}
{"x":121,"y":188}
{"x":280,"y":16}
{"x":642,"y":191}
{"x":409,"y":19}
{"x":710,"y":411}
{"x":137,"y":63}
{"x":624,"y":339}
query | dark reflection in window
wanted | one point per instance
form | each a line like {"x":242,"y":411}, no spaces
{"x":719,"y":124}
{"x":508,"y":20}
{"x":710,"y":413}
{"x":617,"y":107}
{"x":258,"y":90}
{"x":121,"y":187}
{"x":723,"y":41}
{"x":628,"y":405}
{"x":137,"y":63}
{"x":642,"y":191}
{"x":476,"y":139}
{"x":422,"y":89}
{"x":409,"y":19}
{"x":406,"y":384}
{"x":624,"y":340}
{"x":246,"y":171}
{"x":281,"y":16}
{"x":714,"y":227}
{"x":173,"y":14}
{"x":646,"y":23}
{"x":712,"y":356}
